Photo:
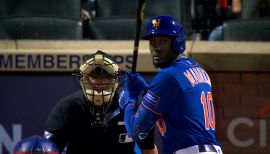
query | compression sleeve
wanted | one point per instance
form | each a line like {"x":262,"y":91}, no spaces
{"x":55,"y":128}
{"x":148,"y":143}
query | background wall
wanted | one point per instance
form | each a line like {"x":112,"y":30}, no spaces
{"x":242,"y":106}
{"x":34,"y":75}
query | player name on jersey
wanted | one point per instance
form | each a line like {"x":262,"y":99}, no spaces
{"x":197,"y":75}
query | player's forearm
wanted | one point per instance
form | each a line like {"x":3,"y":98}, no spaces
{"x":133,"y":124}
{"x":129,"y":120}
{"x":140,"y":125}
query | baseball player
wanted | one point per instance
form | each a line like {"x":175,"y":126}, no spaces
{"x":179,"y":99}
{"x":90,"y":121}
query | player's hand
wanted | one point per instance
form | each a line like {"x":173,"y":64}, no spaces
{"x":140,"y":84}
{"x":85,"y":15}
{"x":129,"y":94}
{"x":125,"y":99}
{"x":133,"y":86}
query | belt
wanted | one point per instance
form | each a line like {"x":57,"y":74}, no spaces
{"x":207,"y":148}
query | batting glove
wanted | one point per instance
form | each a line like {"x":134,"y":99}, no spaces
{"x":140,"y":84}
{"x":125,"y":99}
{"x":129,"y":94}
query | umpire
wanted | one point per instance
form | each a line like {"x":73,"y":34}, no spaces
{"x":90,"y":121}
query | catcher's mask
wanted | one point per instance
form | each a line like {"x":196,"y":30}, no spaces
{"x":99,"y":79}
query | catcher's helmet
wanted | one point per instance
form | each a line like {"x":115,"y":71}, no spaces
{"x":99,"y":79}
{"x":102,"y":64}
{"x":35,"y":145}
{"x":167,"y":25}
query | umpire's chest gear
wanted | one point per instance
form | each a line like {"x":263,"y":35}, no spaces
{"x":110,"y":138}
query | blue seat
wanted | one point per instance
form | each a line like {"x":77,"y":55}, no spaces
{"x":247,"y":30}
{"x":114,"y":8}
{"x":115,"y":28}
{"x":40,"y":28}
{"x":40,"y":19}
{"x":41,"y":8}
{"x":116,"y":19}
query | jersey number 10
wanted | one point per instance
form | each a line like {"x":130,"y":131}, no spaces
{"x":208,"y":110}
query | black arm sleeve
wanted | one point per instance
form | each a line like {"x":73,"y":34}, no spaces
{"x":59,"y":141}
{"x":56,"y":127}
{"x":148,"y":143}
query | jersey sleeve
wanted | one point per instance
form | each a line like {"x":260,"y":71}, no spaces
{"x":56,"y":126}
{"x":156,"y":102}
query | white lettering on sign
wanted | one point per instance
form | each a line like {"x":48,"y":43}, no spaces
{"x":52,"y":62}
{"x":7,"y":141}
{"x":249,"y":141}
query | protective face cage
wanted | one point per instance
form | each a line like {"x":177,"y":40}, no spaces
{"x":35,"y":145}
{"x":99,"y":94}
{"x":169,"y":26}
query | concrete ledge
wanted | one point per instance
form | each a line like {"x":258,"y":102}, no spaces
{"x":214,"y":56}
{"x":7,"y":44}
{"x":233,"y":56}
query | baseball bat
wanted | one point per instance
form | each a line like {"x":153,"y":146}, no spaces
{"x":139,"y":19}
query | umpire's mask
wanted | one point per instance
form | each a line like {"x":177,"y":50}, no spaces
{"x":99,"y":82}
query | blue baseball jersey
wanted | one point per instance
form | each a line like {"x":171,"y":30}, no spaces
{"x":179,"y":101}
